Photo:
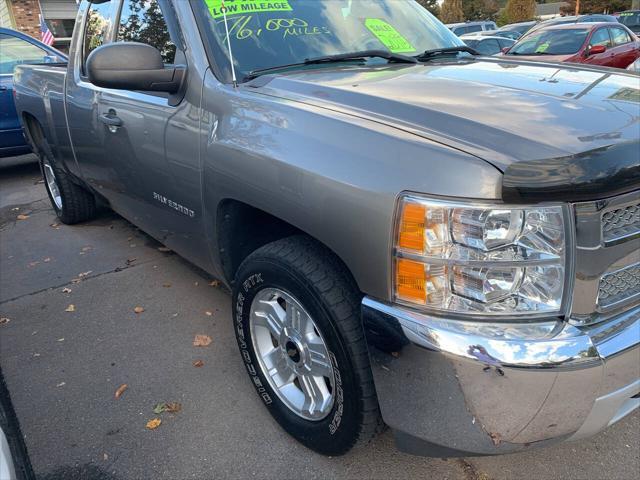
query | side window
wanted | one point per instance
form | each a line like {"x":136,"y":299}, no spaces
{"x":15,"y":51}
{"x":488,"y":47}
{"x":601,"y":37}
{"x":620,"y":37}
{"x":474,"y":28}
{"x":97,"y":28}
{"x":142,"y":21}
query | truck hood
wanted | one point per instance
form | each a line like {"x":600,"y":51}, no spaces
{"x":506,"y":112}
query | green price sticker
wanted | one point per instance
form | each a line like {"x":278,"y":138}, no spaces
{"x":542,"y":48}
{"x":239,"y":7}
{"x":389,"y":36}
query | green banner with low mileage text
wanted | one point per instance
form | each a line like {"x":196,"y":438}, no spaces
{"x":238,"y":7}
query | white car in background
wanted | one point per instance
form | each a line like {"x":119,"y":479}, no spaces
{"x":635,"y":66}
{"x":486,"y":45}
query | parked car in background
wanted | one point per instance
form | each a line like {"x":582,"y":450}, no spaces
{"x":631,"y":20}
{"x":471,"y":27}
{"x":16,"y":48}
{"x":635,"y":66}
{"x":602,"y":44}
{"x":487,"y":45}
{"x":512,"y":34}
{"x":591,"y":18}
{"x":520,"y":27}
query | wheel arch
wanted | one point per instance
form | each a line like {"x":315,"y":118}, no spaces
{"x":241,"y":229}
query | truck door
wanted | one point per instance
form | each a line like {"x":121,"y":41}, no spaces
{"x":82,"y":97}
{"x":151,"y":146}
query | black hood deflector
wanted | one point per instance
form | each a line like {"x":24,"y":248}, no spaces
{"x":592,"y":175}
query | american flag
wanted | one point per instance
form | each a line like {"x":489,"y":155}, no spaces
{"x":45,"y":34}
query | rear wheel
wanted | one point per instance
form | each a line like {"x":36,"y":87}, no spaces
{"x":71,"y":202}
{"x":297,"y":317}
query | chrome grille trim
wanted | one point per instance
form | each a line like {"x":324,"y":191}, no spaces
{"x":619,"y":286}
{"x":621,"y":223}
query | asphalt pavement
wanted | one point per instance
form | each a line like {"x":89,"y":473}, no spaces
{"x":73,"y":338}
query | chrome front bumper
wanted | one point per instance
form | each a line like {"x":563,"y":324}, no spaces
{"x":453,"y":388}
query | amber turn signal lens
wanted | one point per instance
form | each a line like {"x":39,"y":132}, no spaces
{"x":412,"y":224}
{"x":410,"y":281}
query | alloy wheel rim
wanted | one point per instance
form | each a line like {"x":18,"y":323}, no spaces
{"x":52,"y":185}
{"x":292,"y":354}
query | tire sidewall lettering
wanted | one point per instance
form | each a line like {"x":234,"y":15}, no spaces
{"x":245,"y":295}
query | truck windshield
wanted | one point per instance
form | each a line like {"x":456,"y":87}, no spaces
{"x":266,"y":34}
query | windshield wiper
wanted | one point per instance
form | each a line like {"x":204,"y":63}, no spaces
{"x":340,"y":57}
{"x":437,"y":52}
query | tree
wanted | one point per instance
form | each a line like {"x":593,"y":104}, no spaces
{"x":520,"y":10}
{"x":431,"y":5}
{"x":596,"y":6}
{"x":480,"y":9}
{"x":451,"y":11}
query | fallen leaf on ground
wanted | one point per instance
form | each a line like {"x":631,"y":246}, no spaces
{"x":54,"y":225}
{"x":76,"y":280}
{"x":33,"y":264}
{"x":130,"y":261}
{"x":87,"y":248}
{"x":172,"y":407}
{"x":4,"y":320}
{"x":61,"y":384}
{"x":66,"y":290}
{"x":61,"y":339}
{"x":164,"y":249}
{"x":47,"y":260}
{"x":84,"y":274}
{"x":22,"y":217}
{"x":159,"y":408}
{"x":36,"y":354}
{"x":174,"y":315}
{"x":208,"y":313}
{"x":120,"y":390}
{"x":201,"y":340}
{"x":105,"y":457}
{"x":495,"y":438}
{"x":70,"y":308}
{"x":198,"y":363}
{"x":214,"y":283}
{"x":138,"y":309}
{"x":395,"y":354}
{"x":166,"y":285}
{"x":153,"y":423}
{"x":15,"y":209}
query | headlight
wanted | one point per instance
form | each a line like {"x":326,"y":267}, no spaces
{"x":479,"y":259}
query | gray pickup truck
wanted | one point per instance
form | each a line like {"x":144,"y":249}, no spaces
{"x":414,"y":235}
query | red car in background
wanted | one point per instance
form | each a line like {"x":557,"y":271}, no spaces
{"x":605,"y":44}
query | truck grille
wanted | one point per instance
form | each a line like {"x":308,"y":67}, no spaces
{"x":607,"y":258}
{"x":619,"y":286}
{"x":621,"y":223}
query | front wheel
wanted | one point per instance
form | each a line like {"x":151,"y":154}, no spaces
{"x":297,"y":317}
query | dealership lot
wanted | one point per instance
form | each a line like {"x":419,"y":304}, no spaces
{"x":63,"y":367}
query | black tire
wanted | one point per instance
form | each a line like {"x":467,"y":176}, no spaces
{"x":304,"y":269}
{"x":77,"y":204}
